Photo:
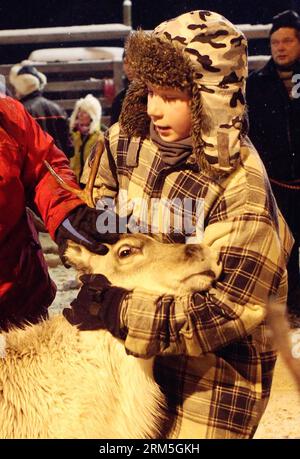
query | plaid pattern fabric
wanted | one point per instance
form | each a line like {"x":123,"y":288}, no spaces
{"x":214,"y":359}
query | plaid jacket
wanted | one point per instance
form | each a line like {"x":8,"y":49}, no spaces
{"x":214,"y":358}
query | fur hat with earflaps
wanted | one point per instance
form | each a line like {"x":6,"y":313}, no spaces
{"x":203,"y":53}
{"x":25,"y":78}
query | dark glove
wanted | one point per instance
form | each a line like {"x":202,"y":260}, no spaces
{"x":97,"y":305}
{"x":87,"y":226}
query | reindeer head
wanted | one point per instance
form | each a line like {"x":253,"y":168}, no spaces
{"x":139,"y":261}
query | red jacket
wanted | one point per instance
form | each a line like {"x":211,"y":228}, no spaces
{"x":26,"y":290}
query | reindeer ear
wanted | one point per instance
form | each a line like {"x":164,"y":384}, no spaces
{"x":74,"y":246}
{"x":77,"y":255}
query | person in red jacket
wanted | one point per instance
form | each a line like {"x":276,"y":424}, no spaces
{"x":26,"y":290}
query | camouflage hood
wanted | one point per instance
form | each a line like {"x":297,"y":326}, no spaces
{"x":201,"y":52}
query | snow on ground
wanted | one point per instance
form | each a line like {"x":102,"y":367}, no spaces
{"x":282,"y":416}
{"x":65,"y":279}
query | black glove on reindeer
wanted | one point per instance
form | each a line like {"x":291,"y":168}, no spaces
{"x":97,"y":305}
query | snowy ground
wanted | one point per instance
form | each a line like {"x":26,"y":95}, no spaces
{"x":65,"y":279}
{"x":282,"y":416}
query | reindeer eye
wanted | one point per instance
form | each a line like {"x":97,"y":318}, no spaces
{"x":125,"y":252}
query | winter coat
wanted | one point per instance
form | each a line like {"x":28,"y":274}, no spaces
{"x":82,"y":148}
{"x":26,"y":290}
{"x":274,"y":123}
{"x":51,"y":117}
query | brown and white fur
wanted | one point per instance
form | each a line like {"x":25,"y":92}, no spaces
{"x":58,"y":382}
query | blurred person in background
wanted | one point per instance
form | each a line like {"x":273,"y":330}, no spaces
{"x":28,"y":84}
{"x":85,"y":130}
{"x":274,"y":116}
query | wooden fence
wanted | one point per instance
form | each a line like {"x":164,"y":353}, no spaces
{"x":74,"y":72}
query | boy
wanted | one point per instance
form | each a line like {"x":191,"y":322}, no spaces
{"x":181,"y":136}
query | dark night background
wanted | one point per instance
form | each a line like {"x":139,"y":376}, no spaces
{"x":16,"y":14}
{"x":146,"y":13}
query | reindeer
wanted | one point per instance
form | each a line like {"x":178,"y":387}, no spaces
{"x":59,"y":382}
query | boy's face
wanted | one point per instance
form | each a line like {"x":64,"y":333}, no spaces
{"x":169,"y":110}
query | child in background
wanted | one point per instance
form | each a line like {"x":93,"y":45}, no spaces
{"x":85,"y":128}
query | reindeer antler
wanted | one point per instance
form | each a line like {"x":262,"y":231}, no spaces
{"x":86,"y":194}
